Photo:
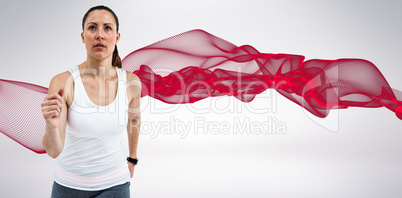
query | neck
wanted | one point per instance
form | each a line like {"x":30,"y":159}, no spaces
{"x":99,"y":69}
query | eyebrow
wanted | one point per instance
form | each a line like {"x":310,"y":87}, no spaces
{"x":103,"y":24}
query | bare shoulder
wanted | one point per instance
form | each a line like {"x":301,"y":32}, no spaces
{"x":62,"y":76}
{"x":59,"y":81}
{"x":132,"y":76}
{"x":63,"y":80}
{"x":133,"y":82}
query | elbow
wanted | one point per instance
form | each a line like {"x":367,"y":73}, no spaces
{"x":53,"y":154}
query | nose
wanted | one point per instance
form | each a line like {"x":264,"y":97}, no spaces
{"x":99,"y":34}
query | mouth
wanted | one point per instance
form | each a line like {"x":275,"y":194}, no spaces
{"x":99,"y":46}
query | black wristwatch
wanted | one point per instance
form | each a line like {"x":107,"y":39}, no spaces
{"x":132,"y":160}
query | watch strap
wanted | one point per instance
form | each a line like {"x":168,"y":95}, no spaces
{"x":132,"y":160}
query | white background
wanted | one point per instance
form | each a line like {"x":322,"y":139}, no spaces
{"x":40,"y":39}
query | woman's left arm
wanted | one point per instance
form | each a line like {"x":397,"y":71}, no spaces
{"x":134,"y":116}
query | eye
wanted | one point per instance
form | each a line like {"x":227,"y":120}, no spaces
{"x":108,"y":28}
{"x":91,"y":27}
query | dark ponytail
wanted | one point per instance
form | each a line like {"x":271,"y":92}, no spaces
{"x":116,"y":61}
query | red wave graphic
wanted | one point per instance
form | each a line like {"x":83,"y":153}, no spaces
{"x":21,"y":114}
{"x":201,"y":65}
{"x":195,"y":65}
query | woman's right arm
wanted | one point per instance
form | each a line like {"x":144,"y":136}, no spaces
{"x":54,"y":110}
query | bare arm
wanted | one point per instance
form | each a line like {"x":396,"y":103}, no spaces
{"x":134,"y":116}
{"x":54,"y":110}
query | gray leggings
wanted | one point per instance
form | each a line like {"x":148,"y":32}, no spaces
{"x":120,"y":191}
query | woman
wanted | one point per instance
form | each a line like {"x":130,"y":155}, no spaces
{"x":87,"y":109}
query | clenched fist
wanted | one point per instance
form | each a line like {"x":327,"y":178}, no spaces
{"x":52,"y":107}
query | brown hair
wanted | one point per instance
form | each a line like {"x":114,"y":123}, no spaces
{"x":116,"y":61}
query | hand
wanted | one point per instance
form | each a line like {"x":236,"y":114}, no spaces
{"x":51,"y":108}
{"x":131,"y":168}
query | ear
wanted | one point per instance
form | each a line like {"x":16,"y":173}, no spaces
{"x":82,"y":37}
{"x":117,"y":37}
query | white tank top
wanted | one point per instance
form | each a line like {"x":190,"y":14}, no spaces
{"x":93,"y":156}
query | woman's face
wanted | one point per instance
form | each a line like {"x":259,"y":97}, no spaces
{"x":100,"y":35}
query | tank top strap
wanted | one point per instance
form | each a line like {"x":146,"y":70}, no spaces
{"x":74,"y":71}
{"x":122,"y":79}
{"x":122,"y":94}
{"x":81,"y":99}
